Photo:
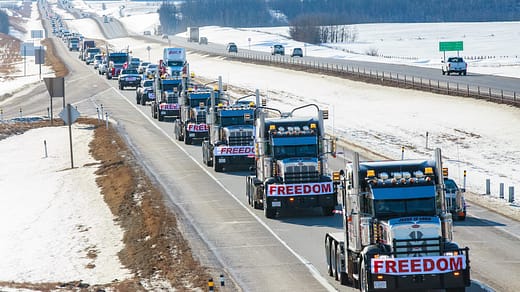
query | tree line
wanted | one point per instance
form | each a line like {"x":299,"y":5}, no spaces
{"x":175,"y":16}
{"x":4,"y":22}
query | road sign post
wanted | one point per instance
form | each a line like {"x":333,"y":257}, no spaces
{"x":69,"y":116}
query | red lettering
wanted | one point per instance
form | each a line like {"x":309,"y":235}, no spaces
{"x":298,"y":189}
{"x":272,"y":189}
{"x":241,"y":150}
{"x":415,"y":265}
{"x":235,"y":150}
{"x":377,"y":264}
{"x":403,"y":266}
{"x":306,"y":189}
{"x":442,"y":264}
{"x":326,"y":188}
{"x":390,"y":267}
{"x":290,"y":190}
{"x":428,"y":265}
{"x":456,"y":263}
{"x":281,"y":190}
{"x":316,"y":189}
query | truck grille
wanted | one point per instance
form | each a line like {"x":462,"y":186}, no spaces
{"x":301,"y":173}
{"x":417,"y":247}
{"x":240,"y":138}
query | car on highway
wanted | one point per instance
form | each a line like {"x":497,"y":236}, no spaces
{"x":142,"y":67}
{"x":145,"y":92}
{"x":103,"y":68}
{"x":297,"y":52}
{"x":98,"y":59}
{"x":277,"y":50}
{"x":129,"y":77}
{"x":203,"y":41}
{"x":150,"y":70}
{"x":232,"y":48}
{"x":454,"y":65}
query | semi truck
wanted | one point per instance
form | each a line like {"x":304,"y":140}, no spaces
{"x":193,"y":34}
{"x":173,"y":64}
{"x":116,"y":62}
{"x":230,"y":143}
{"x":192,"y":123}
{"x":167,"y":94}
{"x":291,"y":169}
{"x":397,"y":231}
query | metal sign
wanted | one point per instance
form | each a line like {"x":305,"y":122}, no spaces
{"x":27,"y":49}
{"x":451,"y":46}
{"x":55,"y":86}
{"x":37,"y":34}
{"x":69,"y":118}
{"x":39,"y":54}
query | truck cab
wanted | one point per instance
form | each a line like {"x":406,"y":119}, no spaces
{"x":454,"y":65}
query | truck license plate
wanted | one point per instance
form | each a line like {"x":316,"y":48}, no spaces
{"x":193,"y":135}
{"x":276,"y":204}
{"x":163,"y":112}
{"x":222,"y":160}
{"x":379,"y":284}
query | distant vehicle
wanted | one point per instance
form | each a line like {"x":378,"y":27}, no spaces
{"x":232,"y":48}
{"x":297,"y":52}
{"x":277,"y":50}
{"x":142,"y":67}
{"x":145,"y":91}
{"x":105,"y":19}
{"x":150,"y":70}
{"x":147,"y":32}
{"x":203,"y":41}
{"x":193,"y":34}
{"x":134,"y":63}
{"x":455,"y":202}
{"x":454,"y":65}
{"x":98,"y":58}
{"x":129,"y":77}
{"x":103,"y":68}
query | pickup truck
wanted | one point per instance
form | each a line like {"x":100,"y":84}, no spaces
{"x":454,"y":65}
{"x":129,"y":77}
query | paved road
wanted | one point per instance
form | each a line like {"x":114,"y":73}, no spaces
{"x":262,"y":255}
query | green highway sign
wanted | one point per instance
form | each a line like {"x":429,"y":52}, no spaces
{"x":451,"y":46}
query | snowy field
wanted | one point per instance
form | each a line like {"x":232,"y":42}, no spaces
{"x":474,"y":135}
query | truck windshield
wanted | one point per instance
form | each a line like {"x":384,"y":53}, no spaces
{"x":289,"y":151}
{"x":175,"y":63}
{"x":119,"y":59}
{"x":385,"y":209}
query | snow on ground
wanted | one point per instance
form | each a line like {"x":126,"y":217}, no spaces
{"x":27,"y":72}
{"x":475,"y":135}
{"x":55,"y":225}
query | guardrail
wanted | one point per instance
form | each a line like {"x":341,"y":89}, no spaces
{"x":387,"y":78}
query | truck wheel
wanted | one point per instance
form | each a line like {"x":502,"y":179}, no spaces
{"x":143,"y":101}
{"x":363,"y":278}
{"x":268,"y":211}
{"x":328,"y":253}
{"x":217,"y":166}
{"x":121,"y":87}
{"x":341,"y":276}
{"x":448,"y":72}
{"x":187,"y":140}
{"x":464,"y":72}
{"x":160,"y":117}
{"x":443,"y":72}
{"x":327,"y":211}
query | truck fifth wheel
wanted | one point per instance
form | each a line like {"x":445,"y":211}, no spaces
{"x":397,"y":230}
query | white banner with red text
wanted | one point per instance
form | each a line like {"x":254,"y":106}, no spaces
{"x":418,"y":265}
{"x":307,"y":189}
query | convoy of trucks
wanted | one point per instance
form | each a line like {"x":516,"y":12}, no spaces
{"x":397,"y":215}
{"x":397,"y":231}
{"x":291,"y":168}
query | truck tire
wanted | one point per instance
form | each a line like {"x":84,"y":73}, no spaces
{"x":121,"y":87}
{"x":363,"y":278}
{"x":340,"y":276}
{"x":143,"y":101}
{"x":328,"y":256}
{"x":137,"y":98}
{"x":187,"y":139}
{"x":216,"y":165}
{"x":464,"y":72}
{"x":159,"y":116}
{"x":269,"y":212}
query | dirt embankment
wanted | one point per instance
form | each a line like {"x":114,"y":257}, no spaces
{"x":155,"y":250}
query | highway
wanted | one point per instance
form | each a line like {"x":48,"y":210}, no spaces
{"x":284,"y":254}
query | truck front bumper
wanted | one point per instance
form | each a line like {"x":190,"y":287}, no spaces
{"x":293,"y":202}
{"x":420,"y":282}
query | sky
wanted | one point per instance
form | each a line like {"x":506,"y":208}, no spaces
{"x":471,"y":133}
